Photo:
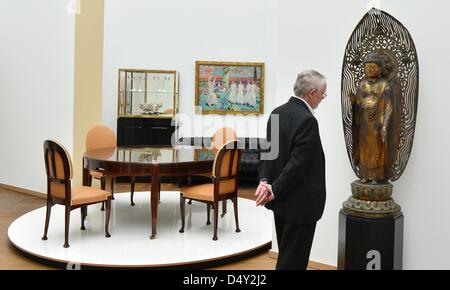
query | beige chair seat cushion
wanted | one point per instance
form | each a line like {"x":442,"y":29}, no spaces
{"x":86,"y":194}
{"x":200,"y":192}
{"x":96,"y":174}
{"x":206,"y":191}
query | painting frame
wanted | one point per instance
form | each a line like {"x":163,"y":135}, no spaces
{"x":204,"y":154}
{"x":220,"y":99}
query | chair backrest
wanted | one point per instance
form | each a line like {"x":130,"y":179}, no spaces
{"x":223,"y":136}
{"x":58,"y":167}
{"x":226,"y":168}
{"x":99,"y":137}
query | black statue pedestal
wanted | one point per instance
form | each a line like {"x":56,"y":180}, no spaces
{"x":370,"y":243}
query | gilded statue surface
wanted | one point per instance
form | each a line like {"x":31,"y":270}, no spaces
{"x":374,"y":121}
{"x":380,"y":84}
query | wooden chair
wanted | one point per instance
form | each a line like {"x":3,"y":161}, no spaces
{"x":224,"y":186}
{"x":99,"y":137}
{"x":58,"y":166}
{"x":219,"y":138}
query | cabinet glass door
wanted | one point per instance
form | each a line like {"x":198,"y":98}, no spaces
{"x":147,"y":93}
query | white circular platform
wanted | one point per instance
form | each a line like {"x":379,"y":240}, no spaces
{"x":130,"y":227}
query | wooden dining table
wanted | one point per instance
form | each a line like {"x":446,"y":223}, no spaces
{"x":153,"y":161}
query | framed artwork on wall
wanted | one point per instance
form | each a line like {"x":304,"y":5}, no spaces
{"x":229,"y":88}
{"x":204,"y":154}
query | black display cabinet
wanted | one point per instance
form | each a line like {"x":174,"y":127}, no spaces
{"x":144,"y":131}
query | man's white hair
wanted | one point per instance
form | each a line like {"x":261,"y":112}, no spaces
{"x":308,"y":80}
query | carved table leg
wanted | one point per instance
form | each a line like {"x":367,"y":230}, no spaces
{"x":154,"y":199}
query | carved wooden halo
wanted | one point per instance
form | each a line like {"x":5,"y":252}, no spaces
{"x":380,"y":32}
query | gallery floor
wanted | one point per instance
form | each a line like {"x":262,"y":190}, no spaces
{"x":196,"y":230}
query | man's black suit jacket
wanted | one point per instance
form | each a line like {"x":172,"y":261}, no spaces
{"x":297,"y":176}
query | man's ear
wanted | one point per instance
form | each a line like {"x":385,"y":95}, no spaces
{"x":310,"y":94}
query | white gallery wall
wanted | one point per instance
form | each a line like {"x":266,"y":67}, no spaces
{"x":290,"y":36}
{"x":313,"y":34}
{"x":36,"y":86}
{"x":173,"y":34}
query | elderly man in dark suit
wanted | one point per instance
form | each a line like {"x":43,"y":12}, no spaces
{"x":292,"y":184}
